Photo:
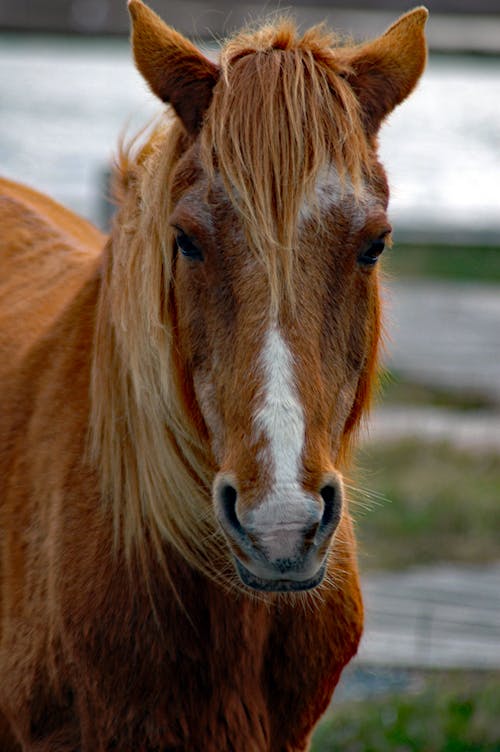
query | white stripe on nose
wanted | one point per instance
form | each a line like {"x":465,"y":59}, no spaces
{"x":286,"y":510}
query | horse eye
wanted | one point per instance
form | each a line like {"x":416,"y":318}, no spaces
{"x":370,"y":256}
{"x":188,"y":247}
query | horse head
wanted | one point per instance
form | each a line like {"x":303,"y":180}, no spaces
{"x":278,"y":219}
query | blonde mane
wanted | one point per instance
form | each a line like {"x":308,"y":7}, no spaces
{"x":154,"y":466}
{"x":281,"y":108}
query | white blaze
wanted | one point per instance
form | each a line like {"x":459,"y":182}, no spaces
{"x":333,"y":191}
{"x":280,"y":417}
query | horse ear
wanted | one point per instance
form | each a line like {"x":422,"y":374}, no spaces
{"x":383,"y":72}
{"x":174,"y":69}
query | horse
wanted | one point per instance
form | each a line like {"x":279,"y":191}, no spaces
{"x":179,"y":402}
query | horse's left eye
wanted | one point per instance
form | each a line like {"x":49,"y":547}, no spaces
{"x":369,"y":257}
{"x":188,"y":247}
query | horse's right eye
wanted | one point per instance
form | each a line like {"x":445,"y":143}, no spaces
{"x":188,"y":247}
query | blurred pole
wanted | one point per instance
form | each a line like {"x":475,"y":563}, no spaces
{"x":107,"y":206}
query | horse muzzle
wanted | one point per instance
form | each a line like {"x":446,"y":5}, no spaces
{"x":280,"y":544}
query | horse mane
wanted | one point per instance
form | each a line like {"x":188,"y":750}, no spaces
{"x":152,"y":459}
{"x":281,"y":108}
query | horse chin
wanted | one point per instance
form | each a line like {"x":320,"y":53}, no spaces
{"x":278,"y":585}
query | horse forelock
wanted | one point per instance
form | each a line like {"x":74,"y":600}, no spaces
{"x":281,"y":116}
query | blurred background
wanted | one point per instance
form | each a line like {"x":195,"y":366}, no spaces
{"x":426,"y":490}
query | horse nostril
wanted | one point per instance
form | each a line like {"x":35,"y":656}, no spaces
{"x":332,"y":504}
{"x":228,"y":497}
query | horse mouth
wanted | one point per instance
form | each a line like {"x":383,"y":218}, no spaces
{"x":281,"y":585}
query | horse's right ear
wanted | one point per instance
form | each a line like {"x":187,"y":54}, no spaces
{"x":174,"y":69}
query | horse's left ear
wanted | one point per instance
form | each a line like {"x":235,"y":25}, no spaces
{"x":174,"y":69}
{"x":384,"y":71}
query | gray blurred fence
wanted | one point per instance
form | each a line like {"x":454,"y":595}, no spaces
{"x":436,"y":617}
{"x":455,"y":24}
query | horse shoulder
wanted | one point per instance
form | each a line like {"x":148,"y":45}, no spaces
{"x":47,"y":492}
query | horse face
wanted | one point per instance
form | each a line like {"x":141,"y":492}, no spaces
{"x":277,"y":390}
{"x":277,"y":354}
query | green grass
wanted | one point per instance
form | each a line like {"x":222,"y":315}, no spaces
{"x":451,"y":712}
{"x":444,"y":262}
{"x":396,"y":389}
{"x":425,"y":503}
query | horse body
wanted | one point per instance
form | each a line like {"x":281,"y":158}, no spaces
{"x":177,"y":403}
{"x":44,"y":248}
{"x":87,"y":661}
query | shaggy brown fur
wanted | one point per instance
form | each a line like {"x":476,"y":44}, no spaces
{"x":123,"y":623}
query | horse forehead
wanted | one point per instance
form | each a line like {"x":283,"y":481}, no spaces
{"x":330,"y":189}
{"x":208,"y":200}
